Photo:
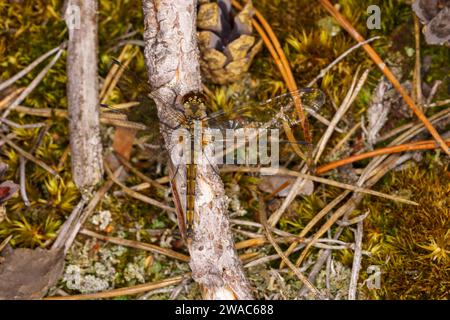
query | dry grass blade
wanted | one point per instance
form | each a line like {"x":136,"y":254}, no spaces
{"x":135,"y":194}
{"x":350,"y":97}
{"x":324,"y":71}
{"x":5,"y":84}
{"x":315,"y":220}
{"x":32,"y":85}
{"x":28,"y":155}
{"x":356,"y":262}
{"x":5,"y":242}
{"x":339,"y":145}
{"x":414,"y":146}
{"x":22,"y":126}
{"x":417,"y":77}
{"x":10,"y":97}
{"x":128,"y":53}
{"x":273,"y":45}
{"x":137,"y":245}
{"x":282,"y":171}
{"x":302,"y":278}
{"x":108,"y":118}
{"x":125,"y":291}
{"x":139,"y":174}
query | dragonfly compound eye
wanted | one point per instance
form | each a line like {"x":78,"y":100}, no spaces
{"x":194,"y":103}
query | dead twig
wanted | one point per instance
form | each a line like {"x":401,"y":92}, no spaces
{"x":413,"y":146}
{"x":5,"y":84}
{"x":125,"y":291}
{"x":296,"y":271}
{"x":324,"y":71}
{"x":79,"y":215}
{"x":23,"y":163}
{"x":356,"y":262}
{"x":83,"y":97}
{"x":283,"y":171}
{"x":135,"y":194}
{"x":29,"y":156}
{"x":33,"y":84}
{"x":137,"y":245}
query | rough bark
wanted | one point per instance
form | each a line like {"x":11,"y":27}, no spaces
{"x":82,"y":93}
{"x":172,"y":62}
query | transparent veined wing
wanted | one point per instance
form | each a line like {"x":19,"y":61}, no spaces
{"x":270,"y":113}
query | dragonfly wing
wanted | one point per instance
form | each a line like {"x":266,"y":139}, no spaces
{"x":270,"y":113}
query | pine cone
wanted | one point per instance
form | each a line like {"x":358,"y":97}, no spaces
{"x":225,"y":39}
{"x":435,"y":15}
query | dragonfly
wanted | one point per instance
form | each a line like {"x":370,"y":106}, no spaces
{"x":244,"y":134}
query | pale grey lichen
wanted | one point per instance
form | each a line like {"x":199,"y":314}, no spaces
{"x":87,"y":272}
{"x":101,"y":219}
{"x":75,"y":279}
{"x":135,"y":271}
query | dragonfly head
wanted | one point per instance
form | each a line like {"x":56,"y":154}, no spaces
{"x":194,"y":104}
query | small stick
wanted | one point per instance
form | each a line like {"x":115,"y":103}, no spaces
{"x":22,"y":126}
{"x":125,"y":291}
{"x":137,"y":245}
{"x":135,"y":194}
{"x":296,"y":271}
{"x":23,"y":190}
{"x":283,"y":171}
{"x":29,"y":156}
{"x":139,"y":174}
{"x":338,"y":59}
{"x":23,"y":163}
{"x":10,"y":97}
{"x":417,"y":78}
{"x":356,"y":262}
{"x":413,"y":146}
{"x":32,"y":85}
{"x":20,"y":74}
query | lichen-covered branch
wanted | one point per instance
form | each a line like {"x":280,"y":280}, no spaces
{"x":172,"y":61}
{"x":82,"y":93}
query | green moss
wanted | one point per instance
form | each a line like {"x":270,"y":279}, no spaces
{"x":412,"y":244}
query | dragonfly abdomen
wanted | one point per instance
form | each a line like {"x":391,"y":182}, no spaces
{"x":191,"y":177}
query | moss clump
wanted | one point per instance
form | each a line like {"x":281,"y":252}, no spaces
{"x":411,"y":245}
